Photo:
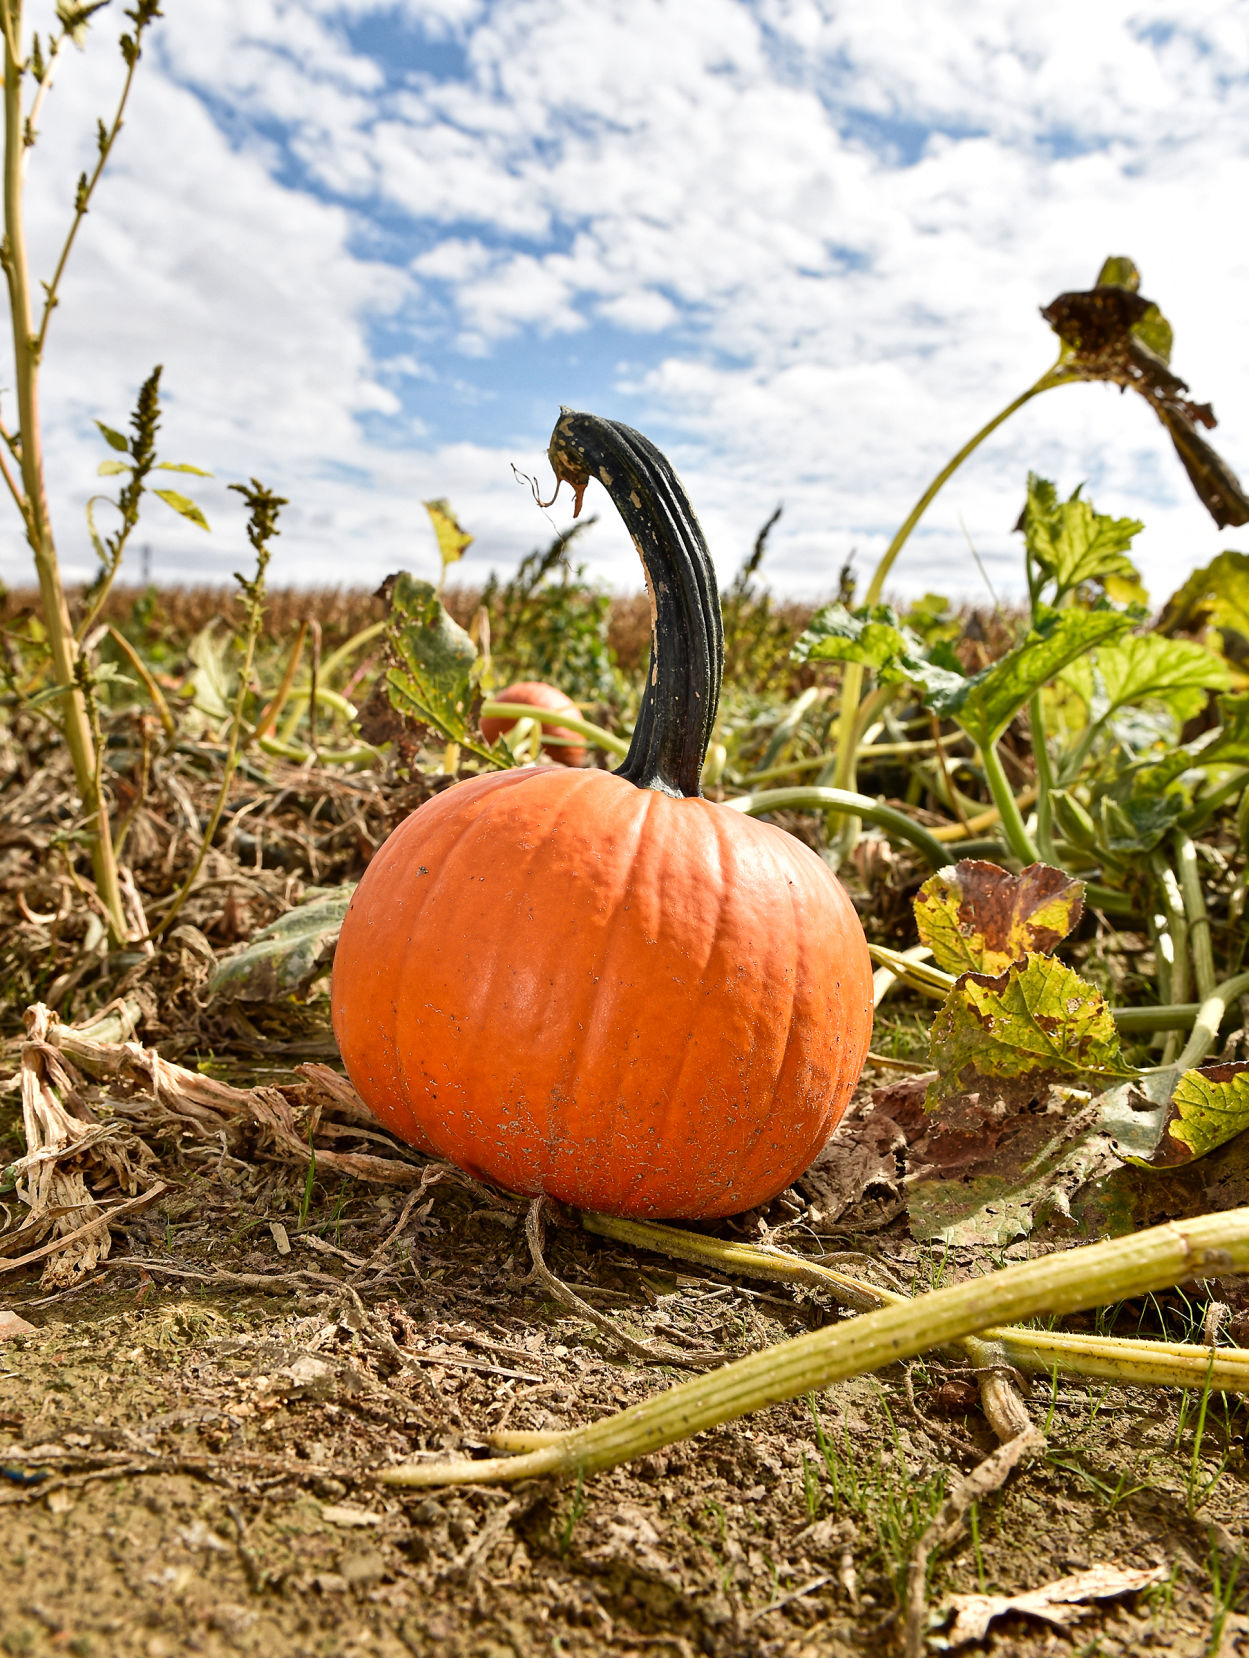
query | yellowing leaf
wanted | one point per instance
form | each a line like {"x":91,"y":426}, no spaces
{"x":1209,"y":1107}
{"x":453,"y":540}
{"x":183,"y":505}
{"x":976,"y":917}
{"x":1039,"y":1015}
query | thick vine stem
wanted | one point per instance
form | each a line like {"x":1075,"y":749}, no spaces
{"x":678,"y":711}
{"x":843,"y":802}
{"x":1063,"y":1283}
{"x":492,"y":710}
{"x":1131,"y":1362}
{"x":852,"y":678}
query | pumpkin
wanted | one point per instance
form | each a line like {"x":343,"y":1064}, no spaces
{"x":600,"y":985}
{"x":567,"y":748}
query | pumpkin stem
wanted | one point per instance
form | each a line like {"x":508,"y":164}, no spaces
{"x":678,"y":711}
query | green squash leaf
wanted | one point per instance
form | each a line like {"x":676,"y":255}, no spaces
{"x":1226,"y":746}
{"x":1148,"y":668}
{"x":1070,"y":543}
{"x":985,"y":704}
{"x":285,"y":957}
{"x":976,"y":917}
{"x":1209,"y":1107}
{"x":430,"y":678}
{"x":1216,"y":596}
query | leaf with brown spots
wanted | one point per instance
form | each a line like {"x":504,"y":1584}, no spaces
{"x":1210,"y":1106}
{"x":978,"y":918}
{"x":1039,"y":1015}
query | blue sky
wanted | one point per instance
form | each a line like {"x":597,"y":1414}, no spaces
{"x":801,"y":244}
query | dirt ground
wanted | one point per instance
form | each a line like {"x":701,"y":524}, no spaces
{"x":189,"y":1443}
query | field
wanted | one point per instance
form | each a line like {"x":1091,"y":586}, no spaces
{"x":245,"y":1302}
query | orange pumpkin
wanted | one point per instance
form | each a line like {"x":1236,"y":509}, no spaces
{"x":600,"y":985}
{"x":567,"y":748}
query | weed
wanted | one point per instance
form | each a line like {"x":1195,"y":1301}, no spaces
{"x":575,"y":1510}
{"x":811,"y":1488}
{"x":310,"y":1180}
{"x":1224,"y":1594}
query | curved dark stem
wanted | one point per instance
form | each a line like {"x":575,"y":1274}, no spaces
{"x":678,"y":711}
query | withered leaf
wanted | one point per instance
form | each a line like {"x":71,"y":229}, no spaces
{"x":1111,"y":332}
{"x":976,"y":917}
{"x":1058,"y":1603}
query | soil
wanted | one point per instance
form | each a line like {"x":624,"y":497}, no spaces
{"x":189,"y":1457}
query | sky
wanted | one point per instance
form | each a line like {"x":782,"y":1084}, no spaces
{"x":801,"y":244}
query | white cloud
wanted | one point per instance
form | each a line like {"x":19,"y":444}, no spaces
{"x":827,"y":228}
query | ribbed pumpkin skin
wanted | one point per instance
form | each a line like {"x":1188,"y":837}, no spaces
{"x":540,"y":695}
{"x":641,"y":1005}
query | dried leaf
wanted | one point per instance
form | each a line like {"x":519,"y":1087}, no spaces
{"x":1060,"y":1603}
{"x":1111,"y":332}
{"x":976,"y":917}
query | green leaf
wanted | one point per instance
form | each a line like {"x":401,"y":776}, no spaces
{"x":1227,"y":746}
{"x":875,"y":638}
{"x":1118,"y":271}
{"x":285,"y":957}
{"x":212,"y":683}
{"x":453,"y":540}
{"x":1039,"y":1015}
{"x":1149,"y":668}
{"x":101,"y":551}
{"x":1070,"y":543}
{"x":113,"y":438}
{"x":1216,"y":596}
{"x":432,"y":659}
{"x":985,"y":704}
{"x":110,"y":469}
{"x":181,"y":466}
{"x":182,"y":504}
{"x":976,"y":917}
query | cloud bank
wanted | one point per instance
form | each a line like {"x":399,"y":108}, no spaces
{"x":801,"y":244}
